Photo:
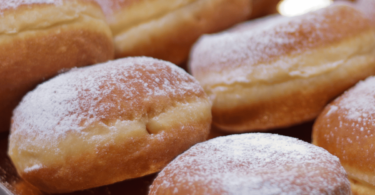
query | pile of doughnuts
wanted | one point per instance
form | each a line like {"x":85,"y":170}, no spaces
{"x":74,"y":128}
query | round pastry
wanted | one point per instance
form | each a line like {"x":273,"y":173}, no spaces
{"x":166,"y":29}
{"x":106,"y":123}
{"x":39,"y":38}
{"x":346,"y":129}
{"x":253,"y":164}
{"x":283,"y":73}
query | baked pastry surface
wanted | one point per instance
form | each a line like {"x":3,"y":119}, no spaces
{"x":346,"y":129}
{"x":106,"y":123}
{"x":39,"y":38}
{"x":283,"y":73}
{"x":166,"y":29}
{"x":253,"y":164}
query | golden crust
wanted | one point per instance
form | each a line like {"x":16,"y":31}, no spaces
{"x":361,"y":188}
{"x":134,"y":157}
{"x":107,"y":123}
{"x":345,"y":129}
{"x":293,"y":66}
{"x":33,"y":51}
{"x":169,"y":35}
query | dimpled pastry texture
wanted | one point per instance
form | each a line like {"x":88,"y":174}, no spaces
{"x":346,"y":129}
{"x":253,"y":164}
{"x":121,"y":119}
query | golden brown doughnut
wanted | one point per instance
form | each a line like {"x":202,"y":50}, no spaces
{"x":106,"y":123}
{"x":39,"y":38}
{"x":283,"y":73}
{"x":346,"y":129}
{"x":166,"y":29}
{"x":253,"y":164}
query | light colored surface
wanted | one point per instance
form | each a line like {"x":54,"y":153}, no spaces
{"x":253,"y":164}
{"x":298,"y":7}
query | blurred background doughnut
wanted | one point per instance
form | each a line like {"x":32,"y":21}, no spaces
{"x":166,"y":29}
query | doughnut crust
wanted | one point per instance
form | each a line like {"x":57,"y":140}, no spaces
{"x":346,"y":129}
{"x":39,"y":38}
{"x":106,"y":123}
{"x":253,"y":164}
{"x":284,"y":73}
{"x":166,"y":29}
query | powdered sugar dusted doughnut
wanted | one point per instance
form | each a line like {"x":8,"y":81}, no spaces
{"x":346,"y":129}
{"x":166,"y":29}
{"x":38,"y":38}
{"x":106,"y":123}
{"x":253,"y":164}
{"x":285,"y":72}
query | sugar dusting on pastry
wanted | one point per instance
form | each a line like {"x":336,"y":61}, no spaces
{"x":76,"y":99}
{"x":255,"y":164}
{"x":227,"y":51}
{"x":12,"y":4}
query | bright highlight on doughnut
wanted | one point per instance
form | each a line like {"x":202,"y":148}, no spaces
{"x":298,"y":7}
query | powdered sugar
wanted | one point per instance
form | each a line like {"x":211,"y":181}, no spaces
{"x":109,"y":6}
{"x":32,"y":168}
{"x":125,"y":89}
{"x":256,"y":47}
{"x":255,"y":164}
{"x":13,"y":4}
{"x":359,"y":101}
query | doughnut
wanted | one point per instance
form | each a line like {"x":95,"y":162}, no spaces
{"x":285,"y":72}
{"x":166,"y":29}
{"x":39,"y":38}
{"x":253,"y":164}
{"x":346,"y":129}
{"x":106,"y":123}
